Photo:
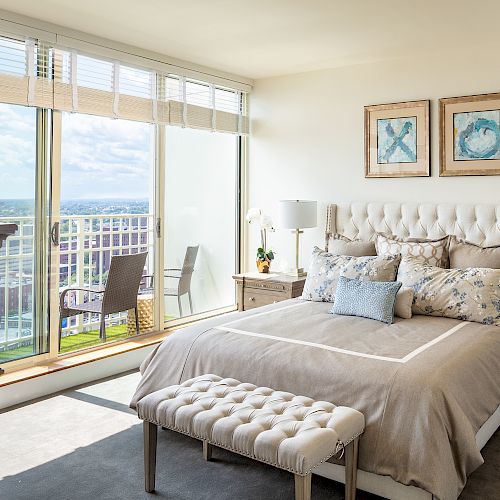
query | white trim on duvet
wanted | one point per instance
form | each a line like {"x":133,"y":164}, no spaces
{"x":407,"y":358}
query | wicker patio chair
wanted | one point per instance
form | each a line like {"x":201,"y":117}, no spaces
{"x":119,"y":294}
{"x":184,"y":275}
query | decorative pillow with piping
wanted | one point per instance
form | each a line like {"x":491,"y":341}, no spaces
{"x":367,"y":299}
{"x":464,"y":254}
{"x":432,"y":252}
{"x":471,"y":294}
{"x":326,"y":268}
{"x":340,"y":245}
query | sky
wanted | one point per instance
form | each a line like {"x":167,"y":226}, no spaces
{"x":101,"y":157}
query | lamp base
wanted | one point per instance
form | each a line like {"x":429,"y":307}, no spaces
{"x":298,"y":273}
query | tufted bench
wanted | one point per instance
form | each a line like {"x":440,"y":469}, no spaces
{"x":291,"y":432}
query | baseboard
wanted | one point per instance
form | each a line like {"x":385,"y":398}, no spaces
{"x":33,"y":388}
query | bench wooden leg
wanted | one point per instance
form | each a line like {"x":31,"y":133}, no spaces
{"x":207,"y":450}
{"x":303,"y":487}
{"x":351,"y":469}
{"x":150,"y":432}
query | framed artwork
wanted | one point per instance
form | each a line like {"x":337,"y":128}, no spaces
{"x":470,"y":135}
{"x":397,"y":140}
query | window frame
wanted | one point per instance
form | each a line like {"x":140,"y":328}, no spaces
{"x":46,"y":313}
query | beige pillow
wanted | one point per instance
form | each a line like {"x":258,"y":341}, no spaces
{"x":471,"y":294}
{"x":404,"y":299}
{"x":340,"y":245}
{"x":464,"y":254}
{"x":431,"y":252}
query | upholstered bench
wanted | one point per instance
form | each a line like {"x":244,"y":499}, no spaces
{"x":291,"y":432}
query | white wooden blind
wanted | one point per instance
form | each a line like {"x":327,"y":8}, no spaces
{"x":33,"y":73}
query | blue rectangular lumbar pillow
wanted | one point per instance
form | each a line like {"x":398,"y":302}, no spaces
{"x":368,"y":299}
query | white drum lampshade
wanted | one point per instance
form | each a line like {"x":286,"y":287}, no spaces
{"x":297,"y":215}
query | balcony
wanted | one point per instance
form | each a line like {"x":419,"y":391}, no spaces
{"x":87,"y":244}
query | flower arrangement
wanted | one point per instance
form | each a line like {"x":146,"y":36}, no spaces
{"x":264,"y":255}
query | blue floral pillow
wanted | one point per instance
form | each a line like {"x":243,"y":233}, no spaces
{"x":326,"y":268}
{"x":471,"y":294}
{"x":368,"y":299}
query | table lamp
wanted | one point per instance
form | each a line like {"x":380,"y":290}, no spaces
{"x":297,"y":215}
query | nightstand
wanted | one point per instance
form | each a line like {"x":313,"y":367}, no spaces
{"x":260,"y":289}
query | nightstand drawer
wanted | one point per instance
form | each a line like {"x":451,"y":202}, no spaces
{"x":265,"y":285}
{"x":254,"y":297}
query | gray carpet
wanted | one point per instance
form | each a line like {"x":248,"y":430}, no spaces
{"x":70,"y":455}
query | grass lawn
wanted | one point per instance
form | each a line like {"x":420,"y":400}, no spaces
{"x":70,"y":342}
{"x":89,"y":339}
{"x":20,"y":352}
{"x":73,"y":342}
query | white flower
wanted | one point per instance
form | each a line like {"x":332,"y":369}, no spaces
{"x":266,"y":222}
{"x":257,"y":216}
{"x":253,"y":214}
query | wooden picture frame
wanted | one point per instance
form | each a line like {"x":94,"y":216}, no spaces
{"x":469,"y":135}
{"x":397,"y":139}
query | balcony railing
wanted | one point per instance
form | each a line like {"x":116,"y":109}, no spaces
{"x":87,"y":244}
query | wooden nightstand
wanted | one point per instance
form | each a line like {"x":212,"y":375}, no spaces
{"x":255,"y":290}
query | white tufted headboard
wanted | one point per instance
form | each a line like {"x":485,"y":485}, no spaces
{"x":479,"y":224}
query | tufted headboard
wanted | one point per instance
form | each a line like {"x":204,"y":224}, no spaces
{"x":479,"y":224}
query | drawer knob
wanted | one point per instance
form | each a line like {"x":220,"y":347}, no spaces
{"x":251,"y":299}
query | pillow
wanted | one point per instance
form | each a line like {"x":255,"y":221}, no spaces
{"x":464,"y":254}
{"x":404,"y":300}
{"x":368,"y":299}
{"x":471,"y":294}
{"x":432,"y":252}
{"x":340,"y":245}
{"x":326,"y":268}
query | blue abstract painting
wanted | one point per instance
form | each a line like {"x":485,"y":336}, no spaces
{"x":397,"y":140}
{"x":476,"y":135}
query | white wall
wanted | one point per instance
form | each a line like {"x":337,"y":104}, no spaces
{"x":307,"y":137}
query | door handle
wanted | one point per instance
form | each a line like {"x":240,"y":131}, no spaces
{"x":54,"y":233}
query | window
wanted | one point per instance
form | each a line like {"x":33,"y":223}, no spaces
{"x":18,"y":178}
{"x":201,"y":172}
{"x":93,"y":167}
{"x":106,"y":207}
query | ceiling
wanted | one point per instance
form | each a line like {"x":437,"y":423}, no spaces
{"x":264,"y":38}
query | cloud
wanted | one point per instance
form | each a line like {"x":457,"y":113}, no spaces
{"x":102,"y":156}
{"x":17,"y":151}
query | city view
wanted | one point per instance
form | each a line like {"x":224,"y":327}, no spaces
{"x":25,"y":208}
{"x":92,"y":229}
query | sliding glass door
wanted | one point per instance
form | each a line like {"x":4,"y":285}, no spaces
{"x":23,"y":222}
{"x":106,"y":207}
{"x":100,"y":159}
{"x":200,"y":221}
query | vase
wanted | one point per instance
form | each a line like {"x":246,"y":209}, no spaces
{"x":263,"y":265}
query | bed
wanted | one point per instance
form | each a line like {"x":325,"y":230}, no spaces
{"x":428,"y":386}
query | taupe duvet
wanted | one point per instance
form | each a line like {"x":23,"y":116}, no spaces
{"x":425,"y":385}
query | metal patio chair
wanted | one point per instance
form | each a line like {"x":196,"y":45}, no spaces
{"x":184,"y":275}
{"x":119,"y":294}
